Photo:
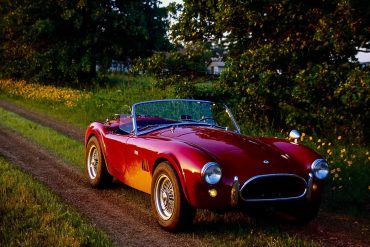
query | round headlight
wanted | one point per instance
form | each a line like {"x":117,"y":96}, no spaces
{"x":211,"y":173}
{"x":320,"y":169}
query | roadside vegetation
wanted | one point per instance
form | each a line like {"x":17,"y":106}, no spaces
{"x":32,"y":216}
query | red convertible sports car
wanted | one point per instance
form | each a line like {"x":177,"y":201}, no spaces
{"x":189,"y":154}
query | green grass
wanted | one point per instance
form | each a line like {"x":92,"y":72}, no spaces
{"x":32,"y":216}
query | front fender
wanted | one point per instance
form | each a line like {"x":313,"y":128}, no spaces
{"x":188,"y":161}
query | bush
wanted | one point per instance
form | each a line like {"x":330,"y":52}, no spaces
{"x":328,"y":99}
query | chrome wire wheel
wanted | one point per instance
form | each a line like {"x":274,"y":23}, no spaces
{"x":164,"y":197}
{"x":93,"y":161}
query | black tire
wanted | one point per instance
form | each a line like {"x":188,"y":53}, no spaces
{"x":95,"y":167}
{"x":169,"y":204}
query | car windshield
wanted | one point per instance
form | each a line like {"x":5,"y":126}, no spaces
{"x":152,"y":115}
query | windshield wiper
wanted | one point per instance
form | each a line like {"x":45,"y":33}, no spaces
{"x":149,"y":127}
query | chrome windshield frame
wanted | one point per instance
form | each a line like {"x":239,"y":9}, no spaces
{"x":134,"y":123}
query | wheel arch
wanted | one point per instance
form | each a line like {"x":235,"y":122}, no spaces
{"x":95,"y":131}
{"x":173,"y":163}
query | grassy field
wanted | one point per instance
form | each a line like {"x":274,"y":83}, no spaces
{"x":97,"y":104}
{"x":32,"y":216}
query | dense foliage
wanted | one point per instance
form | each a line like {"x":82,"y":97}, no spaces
{"x":290,"y":63}
{"x":183,"y":67}
{"x":64,"y":41}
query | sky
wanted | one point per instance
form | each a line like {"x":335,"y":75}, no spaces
{"x":166,"y":2}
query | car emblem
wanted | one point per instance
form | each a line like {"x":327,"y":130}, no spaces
{"x":266,"y":162}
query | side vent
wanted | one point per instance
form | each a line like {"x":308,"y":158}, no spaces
{"x":145,"y":165}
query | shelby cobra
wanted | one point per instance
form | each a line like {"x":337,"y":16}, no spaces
{"x":189,"y":154}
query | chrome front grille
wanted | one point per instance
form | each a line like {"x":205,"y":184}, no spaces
{"x":273,"y":187}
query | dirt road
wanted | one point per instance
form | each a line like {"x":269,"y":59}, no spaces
{"x":127,"y":224}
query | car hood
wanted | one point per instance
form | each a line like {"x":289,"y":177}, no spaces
{"x":238,"y":155}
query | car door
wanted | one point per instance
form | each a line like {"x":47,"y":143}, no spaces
{"x":138,"y":157}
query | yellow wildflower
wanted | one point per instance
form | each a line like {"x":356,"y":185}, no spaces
{"x":368,"y":187}
{"x":336,"y":175}
{"x":323,"y":144}
{"x":339,"y":137}
{"x":329,"y":144}
{"x":338,"y":169}
{"x":34,"y":91}
{"x":353,"y":156}
{"x":343,"y":150}
{"x":328,"y":151}
{"x":349,"y":163}
{"x":310,"y":138}
{"x":318,"y":147}
{"x":319,"y":140}
{"x":367,"y":153}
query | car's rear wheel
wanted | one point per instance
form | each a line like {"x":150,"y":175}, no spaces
{"x":96,"y":170}
{"x":169,"y":204}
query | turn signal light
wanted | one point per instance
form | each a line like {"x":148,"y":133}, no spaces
{"x":314,"y":187}
{"x":212,"y":192}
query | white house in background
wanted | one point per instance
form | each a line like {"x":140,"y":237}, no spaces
{"x":215,"y":66}
{"x":363,"y":58}
{"x":116,"y":66}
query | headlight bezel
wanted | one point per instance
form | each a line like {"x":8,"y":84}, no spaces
{"x":320,"y":169}
{"x":208,"y":170}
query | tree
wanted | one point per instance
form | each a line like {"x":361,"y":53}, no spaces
{"x":287,"y":60}
{"x":63,"y":41}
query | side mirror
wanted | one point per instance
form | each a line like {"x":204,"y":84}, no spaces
{"x":295,"y":135}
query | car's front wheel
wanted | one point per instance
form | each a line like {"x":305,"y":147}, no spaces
{"x":169,"y":204}
{"x":96,"y":169}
